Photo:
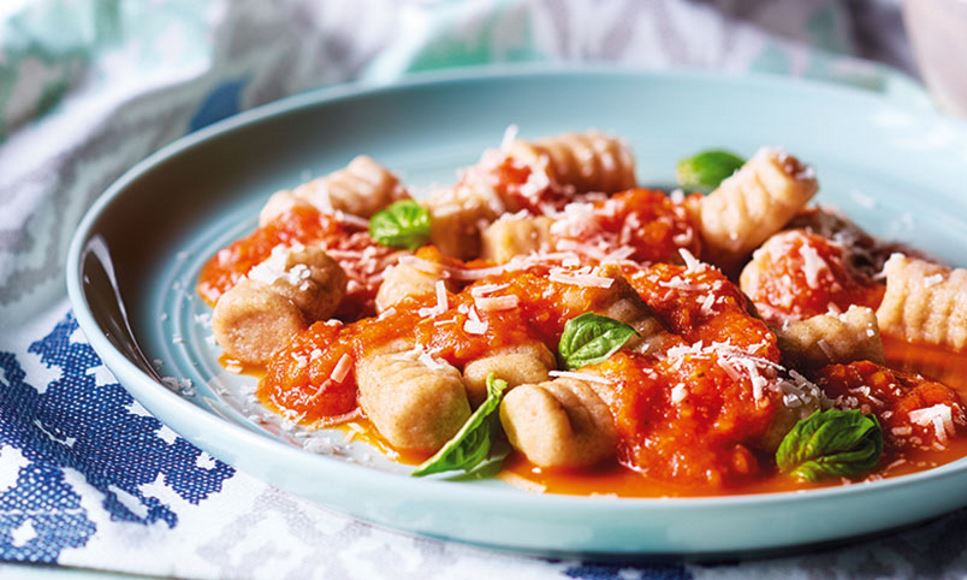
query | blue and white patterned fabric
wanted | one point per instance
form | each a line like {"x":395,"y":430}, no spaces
{"x":88,"y":478}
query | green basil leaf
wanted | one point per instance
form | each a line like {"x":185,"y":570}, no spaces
{"x":706,"y":170}
{"x":471,"y":445}
{"x":405,"y":224}
{"x":591,"y":338}
{"x":831,"y":443}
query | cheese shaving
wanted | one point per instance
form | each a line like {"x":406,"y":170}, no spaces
{"x":575,"y":279}
{"x":431,"y":363}
{"x":828,"y":351}
{"x":492,"y":303}
{"x":342,"y":368}
{"x":510,"y":135}
{"x":579,"y":376}
{"x":351,"y":219}
{"x":474,"y":325}
{"x":441,"y":306}
{"x":485,"y":289}
{"x":692,"y":264}
{"x":939,"y":416}
{"x":678,"y":393}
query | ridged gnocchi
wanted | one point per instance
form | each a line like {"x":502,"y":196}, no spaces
{"x":924,"y":302}
{"x":754,"y":203}
{"x":833,"y":338}
{"x":519,"y":364}
{"x":413,"y":406}
{"x":559,"y":423}
{"x":362,"y":188}
{"x":279,"y":298}
{"x":514,"y":236}
{"x":590,"y":161}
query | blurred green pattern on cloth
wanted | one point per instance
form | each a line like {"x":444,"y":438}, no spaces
{"x":87,"y":88}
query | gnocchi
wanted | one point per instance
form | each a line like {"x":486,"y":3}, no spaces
{"x":601,"y":333}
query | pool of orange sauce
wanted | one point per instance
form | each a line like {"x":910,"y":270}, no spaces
{"x":239,"y":368}
{"x":619,"y":481}
{"x":616,"y":480}
{"x":361,"y":430}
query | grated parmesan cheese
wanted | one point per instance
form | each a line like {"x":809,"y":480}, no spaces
{"x":678,"y":393}
{"x":442,"y":304}
{"x":692,"y":264}
{"x":430,"y":362}
{"x":485,"y":289}
{"x":342,"y":368}
{"x":939,"y":416}
{"x":828,"y":351}
{"x":510,"y":135}
{"x":579,"y":376}
{"x":812,"y":265}
{"x":351,"y":219}
{"x":473,"y":324}
{"x":579,"y":279}
{"x":492,"y":303}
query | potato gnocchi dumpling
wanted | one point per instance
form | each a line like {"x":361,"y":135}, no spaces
{"x":515,"y":235}
{"x":591,"y":161}
{"x":362,"y":188}
{"x":517,"y":365}
{"x":924,"y":302}
{"x":754,"y":203}
{"x":559,"y":423}
{"x":547,"y":318}
{"x":833,"y":338}
{"x":415,"y":407}
{"x":407,"y":280}
{"x":280,"y":297}
{"x":796,"y":274}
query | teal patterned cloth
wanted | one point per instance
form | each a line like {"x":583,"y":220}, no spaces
{"x":88,"y":88}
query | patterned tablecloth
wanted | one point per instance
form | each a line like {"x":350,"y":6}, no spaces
{"x":88,"y":478}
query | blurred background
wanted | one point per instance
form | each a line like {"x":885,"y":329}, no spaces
{"x":89,"y":87}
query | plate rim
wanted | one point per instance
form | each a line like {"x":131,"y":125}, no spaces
{"x":143,"y":387}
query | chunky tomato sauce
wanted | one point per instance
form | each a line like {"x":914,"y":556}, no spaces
{"x":911,"y":451}
{"x":800,"y":274}
{"x":615,"y":480}
{"x":361,"y":258}
{"x":708,"y":434}
{"x":646,"y":221}
{"x":698,"y":412}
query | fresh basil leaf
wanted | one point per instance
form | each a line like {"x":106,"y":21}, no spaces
{"x":471,"y":445}
{"x":706,"y":170}
{"x":831,"y":443}
{"x":590,"y":338}
{"x":405,"y":224}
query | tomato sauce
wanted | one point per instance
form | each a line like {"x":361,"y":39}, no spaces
{"x":614,"y":479}
{"x":361,"y":258}
{"x":799,"y":274}
{"x":694,"y":413}
{"x":645,"y":221}
{"x":297,"y":373}
{"x":706,"y":436}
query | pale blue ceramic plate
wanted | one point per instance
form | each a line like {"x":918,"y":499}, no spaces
{"x":134,"y":260}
